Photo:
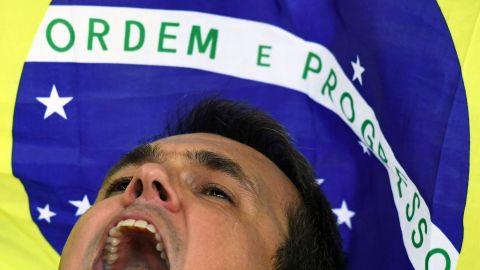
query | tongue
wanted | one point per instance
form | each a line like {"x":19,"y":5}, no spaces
{"x":137,"y":252}
{"x":136,"y":265}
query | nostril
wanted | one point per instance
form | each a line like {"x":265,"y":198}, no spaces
{"x":161,"y":191}
{"x":138,"y":188}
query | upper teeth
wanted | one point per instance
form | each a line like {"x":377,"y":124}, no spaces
{"x":113,"y":240}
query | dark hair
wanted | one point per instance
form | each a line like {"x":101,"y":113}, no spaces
{"x":313,"y":241}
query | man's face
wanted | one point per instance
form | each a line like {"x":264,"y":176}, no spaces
{"x":199,"y":200}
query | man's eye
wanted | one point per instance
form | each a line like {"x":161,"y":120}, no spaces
{"x":215,"y":191}
{"x":118,"y":186}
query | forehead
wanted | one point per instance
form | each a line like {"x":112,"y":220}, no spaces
{"x":252,"y":161}
{"x":248,"y":158}
{"x":215,"y":143}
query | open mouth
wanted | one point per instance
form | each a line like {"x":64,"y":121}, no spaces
{"x":133,"y":244}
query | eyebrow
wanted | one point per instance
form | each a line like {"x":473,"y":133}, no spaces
{"x":218,"y":162}
{"x":138,"y":156}
{"x":211,"y":160}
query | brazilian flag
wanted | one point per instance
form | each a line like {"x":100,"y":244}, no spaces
{"x":381,"y":96}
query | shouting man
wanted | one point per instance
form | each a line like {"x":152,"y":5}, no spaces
{"x":225,"y":189}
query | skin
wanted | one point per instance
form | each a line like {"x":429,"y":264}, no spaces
{"x":201,"y":229}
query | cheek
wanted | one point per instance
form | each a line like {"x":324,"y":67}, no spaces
{"x":97,"y":218}
{"x":82,"y":243}
{"x":218,"y":240}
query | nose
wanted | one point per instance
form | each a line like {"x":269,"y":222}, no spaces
{"x":151,"y":183}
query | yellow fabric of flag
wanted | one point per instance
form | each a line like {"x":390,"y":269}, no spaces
{"x":22,"y":246}
{"x":463,"y":20}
